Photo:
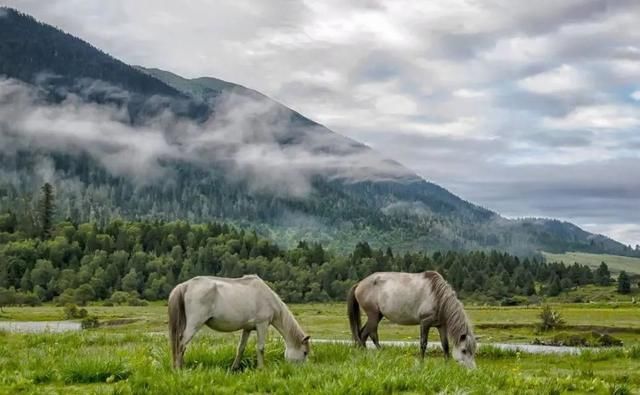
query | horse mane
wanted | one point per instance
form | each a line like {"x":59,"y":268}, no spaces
{"x":449,"y":309}
{"x":290,"y":325}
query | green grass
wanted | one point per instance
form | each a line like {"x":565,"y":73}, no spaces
{"x":616,"y":263}
{"x":133,"y":358}
{"x":92,"y":362}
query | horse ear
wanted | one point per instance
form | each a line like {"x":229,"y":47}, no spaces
{"x":463,"y":337}
{"x":306,"y":340}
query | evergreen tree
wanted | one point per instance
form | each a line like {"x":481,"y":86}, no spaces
{"x":554,"y":288}
{"x":624,"y":283}
{"x":602,"y":275}
{"x":46,"y":208}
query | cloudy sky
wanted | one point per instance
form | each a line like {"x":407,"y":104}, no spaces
{"x":527,"y":108}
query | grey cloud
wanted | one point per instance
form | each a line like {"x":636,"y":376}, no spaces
{"x":422,"y":52}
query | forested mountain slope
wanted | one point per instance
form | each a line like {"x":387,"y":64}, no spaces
{"x":139,"y":143}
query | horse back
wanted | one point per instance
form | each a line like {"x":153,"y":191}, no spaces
{"x":401,"y":297}
{"x":232,"y":302}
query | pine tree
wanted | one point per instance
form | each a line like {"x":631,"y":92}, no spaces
{"x":554,"y":286}
{"x":46,"y":208}
{"x":602,"y":275}
{"x":624,"y":283}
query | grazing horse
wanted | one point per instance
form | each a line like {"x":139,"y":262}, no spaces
{"x":424,"y":299}
{"x":232,"y":304}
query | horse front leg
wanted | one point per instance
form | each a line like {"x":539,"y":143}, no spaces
{"x":261,"y":331}
{"x":444,"y":341}
{"x":241,"y":346}
{"x":424,"y":335}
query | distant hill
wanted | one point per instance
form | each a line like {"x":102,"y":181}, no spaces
{"x":134,"y":142}
{"x":616,"y":263}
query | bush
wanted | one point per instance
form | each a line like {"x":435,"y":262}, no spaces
{"x":137,"y":302}
{"x":514,"y":301}
{"x":28,"y":299}
{"x":605,"y":340}
{"x":71,"y":311}
{"x":595,"y":339}
{"x":549,"y":319}
{"x":565,"y":339}
{"x":90,"y":322}
{"x":65,"y":298}
{"x":120,"y":297}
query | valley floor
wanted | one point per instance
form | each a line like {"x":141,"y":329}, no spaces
{"x":129,"y":354}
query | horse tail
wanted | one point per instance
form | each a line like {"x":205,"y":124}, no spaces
{"x":353,"y":311}
{"x":177,"y":322}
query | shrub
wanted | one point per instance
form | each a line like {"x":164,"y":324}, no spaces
{"x":71,"y":311}
{"x":65,"y":298}
{"x":120,"y":297}
{"x":137,"y":302}
{"x":514,"y":301}
{"x":90,"y":322}
{"x":595,"y":339}
{"x":549,"y":319}
{"x":605,"y":340}
{"x":29,"y":299}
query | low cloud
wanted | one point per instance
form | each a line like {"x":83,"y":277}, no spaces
{"x":254,"y":140}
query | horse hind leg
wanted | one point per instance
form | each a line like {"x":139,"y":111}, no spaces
{"x":189,"y":331}
{"x":195,"y":320}
{"x":374,"y":330}
{"x":370,"y":329}
{"x":240,"y":351}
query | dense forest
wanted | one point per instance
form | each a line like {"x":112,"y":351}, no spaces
{"x":124,"y":261}
{"x":385,"y":204}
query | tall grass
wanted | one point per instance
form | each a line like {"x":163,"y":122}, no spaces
{"x":102,"y":362}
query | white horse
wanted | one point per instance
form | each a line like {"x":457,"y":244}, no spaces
{"x":424,"y":299}
{"x":232,"y":304}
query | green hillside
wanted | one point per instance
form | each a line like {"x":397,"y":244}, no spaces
{"x":616,"y":263}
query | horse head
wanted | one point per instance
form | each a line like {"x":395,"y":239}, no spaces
{"x":464,"y":350}
{"x":299,"y":352}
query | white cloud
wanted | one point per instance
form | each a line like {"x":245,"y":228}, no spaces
{"x":469,"y":93}
{"x":564,"y":79}
{"x":635,"y":95}
{"x":605,"y":117}
{"x":396,"y":105}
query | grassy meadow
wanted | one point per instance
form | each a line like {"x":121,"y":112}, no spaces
{"x":103,"y":363}
{"x":616,"y":263}
{"x":129,"y":354}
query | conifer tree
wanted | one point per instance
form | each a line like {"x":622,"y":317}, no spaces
{"x":46,"y":209}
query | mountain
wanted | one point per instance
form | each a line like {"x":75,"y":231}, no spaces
{"x":122,"y":141}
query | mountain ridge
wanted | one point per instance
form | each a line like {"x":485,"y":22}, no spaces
{"x":332,"y":189}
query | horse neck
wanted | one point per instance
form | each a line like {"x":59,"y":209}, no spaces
{"x":455,"y":319}
{"x":288,"y":326}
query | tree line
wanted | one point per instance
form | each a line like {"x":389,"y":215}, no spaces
{"x":124,"y":261}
